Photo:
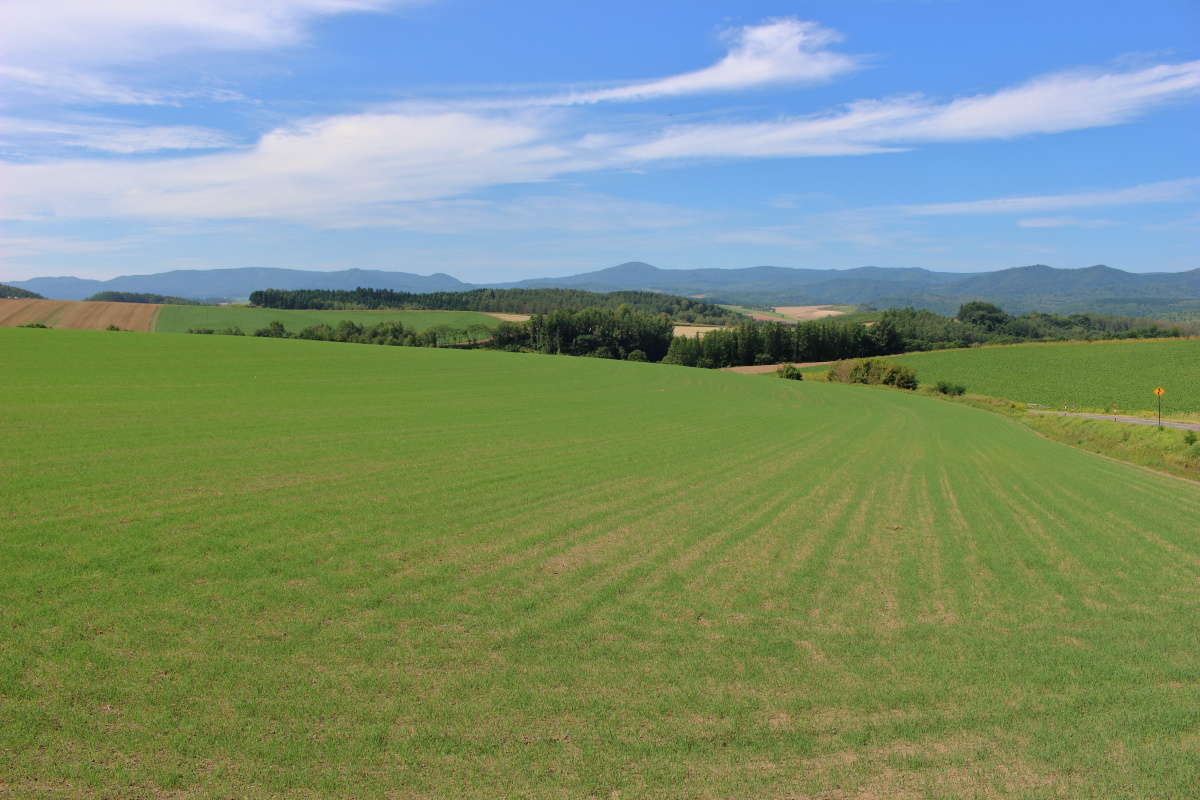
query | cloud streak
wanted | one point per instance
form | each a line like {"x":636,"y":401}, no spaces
{"x":86,"y":32}
{"x":785,"y":51}
{"x":1050,"y":104}
{"x":1158,"y":192}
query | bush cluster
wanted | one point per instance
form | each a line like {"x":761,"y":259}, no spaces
{"x":873,"y":371}
{"x":789,"y":372}
{"x":945,"y":387}
{"x":234,"y":331}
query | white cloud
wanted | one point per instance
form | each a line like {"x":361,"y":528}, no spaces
{"x":89,"y":32}
{"x":1159,"y":192}
{"x":1065,"y":222}
{"x":1050,"y":104}
{"x":784,"y":51}
{"x":108,"y":136}
{"x":332,"y":171}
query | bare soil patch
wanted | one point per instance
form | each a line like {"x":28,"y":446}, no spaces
{"x":507,"y":317}
{"x":758,"y":369}
{"x":805,"y":313}
{"x":79,"y":314}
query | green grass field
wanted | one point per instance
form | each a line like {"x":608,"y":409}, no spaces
{"x":262,"y":568}
{"x":177,"y":319}
{"x":1096,"y":375}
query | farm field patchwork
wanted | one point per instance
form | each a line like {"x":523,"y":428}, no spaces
{"x":1088,"y":375}
{"x":258,"y":567}
{"x":178,"y":319}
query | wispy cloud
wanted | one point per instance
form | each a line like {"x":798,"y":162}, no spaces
{"x":110,"y":136}
{"x":330,"y":171}
{"x":1066,"y":222}
{"x":784,"y":51}
{"x":70,"y":86}
{"x":1158,"y":192}
{"x":1050,"y":104}
{"x":59,"y":32}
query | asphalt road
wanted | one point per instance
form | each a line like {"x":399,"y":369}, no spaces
{"x":1187,"y":426}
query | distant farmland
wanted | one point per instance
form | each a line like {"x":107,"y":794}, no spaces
{"x":178,"y":319}
{"x":1095,"y":375}
{"x":79,"y":315}
{"x":259,"y":567}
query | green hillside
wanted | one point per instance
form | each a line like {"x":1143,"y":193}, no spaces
{"x":178,"y":319}
{"x":1096,"y":375}
{"x":264,"y":568}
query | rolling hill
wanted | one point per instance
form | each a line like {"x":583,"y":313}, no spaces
{"x":261,"y":567}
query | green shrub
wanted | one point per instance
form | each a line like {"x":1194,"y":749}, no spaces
{"x":201,"y":330}
{"x":275,"y":330}
{"x":873,"y":371}
{"x":945,"y":387}
{"x":636,"y":355}
{"x":789,"y":372}
{"x":33,"y":325}
{"x":112,"y":327}
{"x":1189,"y":438}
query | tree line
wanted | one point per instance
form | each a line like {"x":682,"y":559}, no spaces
{"x":512,"y":301}
{"x":13,"y":293}
{"x":142,"y":297}
{"x":900,"y":330}
{"x":621,"y":333}
{"x":392,"y":332}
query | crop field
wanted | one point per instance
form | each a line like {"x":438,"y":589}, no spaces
{"x":1097,"y":375}
{"x":178,"y":319}
{"x":262,"y":568}
{"x":79,"y":314}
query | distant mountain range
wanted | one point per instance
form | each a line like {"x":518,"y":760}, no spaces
{"x":1019,"y":289}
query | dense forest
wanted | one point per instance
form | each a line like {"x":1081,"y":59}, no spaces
{"x":13,"y":293}
{"x":599,"y":332}
{"x":142,"y":297}
{"x":512,"y":301}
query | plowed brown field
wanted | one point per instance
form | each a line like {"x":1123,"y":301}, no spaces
{"x":806,"y":313}
{"x":79,"y":314}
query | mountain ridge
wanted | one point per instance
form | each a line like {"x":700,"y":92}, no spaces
{"x":1035,"y":287}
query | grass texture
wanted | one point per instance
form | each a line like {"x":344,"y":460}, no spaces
{"x":178,"y":319}
{"x":277,"y":568}
{"x":1077,"y":375}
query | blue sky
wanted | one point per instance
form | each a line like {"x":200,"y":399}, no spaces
{"x":498,"y":141}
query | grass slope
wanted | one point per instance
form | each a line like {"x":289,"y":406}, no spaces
{"x":1097,"y":375}
{"x":244,"y":567}
{"x":177,"y":319}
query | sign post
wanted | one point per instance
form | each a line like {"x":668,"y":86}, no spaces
{"x":1159,"y":392}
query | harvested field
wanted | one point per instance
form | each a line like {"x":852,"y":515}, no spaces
{"x":79,"y":314}
{"x":503,"y":317}
{"x":696,"y":330}
{"x":244,"y":567}
{"x":806,"y":313}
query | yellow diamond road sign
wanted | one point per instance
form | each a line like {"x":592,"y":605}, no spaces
{"x":1160,"y":391}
